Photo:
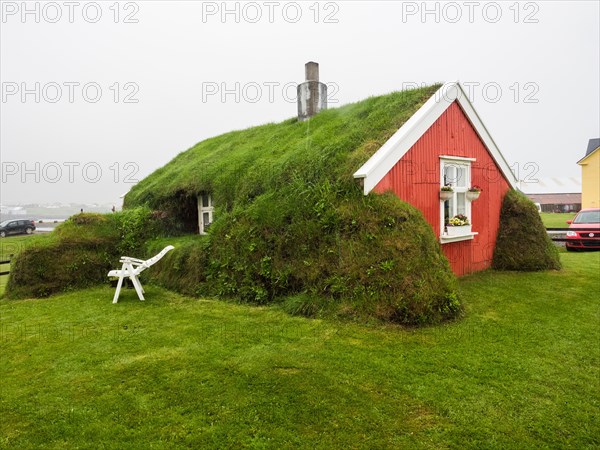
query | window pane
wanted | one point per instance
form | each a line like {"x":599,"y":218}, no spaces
{"x":448,"y":208}
{"x":205,"y":220}
{"x":205,"y":200}
{"x":461,"y":176}
{"x":449,"y":174}
{"x":461,"y":202}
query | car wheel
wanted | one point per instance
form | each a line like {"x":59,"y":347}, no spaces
{"x":2,"y":234}
{"x":28,"y":231}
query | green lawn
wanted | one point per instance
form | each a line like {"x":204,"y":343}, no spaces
{"x":556,"y":220}
{"x":520,"y":370}
{"x":12,"y":245}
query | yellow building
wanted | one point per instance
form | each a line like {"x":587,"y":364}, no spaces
{"x":590,"y":175}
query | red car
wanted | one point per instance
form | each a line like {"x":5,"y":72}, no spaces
{"x":586,"y":224}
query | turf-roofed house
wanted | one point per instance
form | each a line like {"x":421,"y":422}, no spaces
{"x":440,"y":158}
{"x":377,"y":202}
{"x":368,"y":210}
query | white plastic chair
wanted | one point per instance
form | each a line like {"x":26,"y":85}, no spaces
{"x":131,"y":268}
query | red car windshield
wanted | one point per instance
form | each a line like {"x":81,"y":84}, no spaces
{"x":588,"y":217}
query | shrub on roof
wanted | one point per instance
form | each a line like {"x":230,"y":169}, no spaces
{"x":523,"y":243}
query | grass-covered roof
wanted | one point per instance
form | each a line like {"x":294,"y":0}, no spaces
{"x":241,"y":165}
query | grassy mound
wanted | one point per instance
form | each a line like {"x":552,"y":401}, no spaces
{"x":522,"y":242}
{"x":291,"y":223}
{"x":183,"y":269}
{"x":373,"y":256}
{"x":79,"y":253}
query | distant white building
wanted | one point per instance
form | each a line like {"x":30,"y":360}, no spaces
{"x":554,"y":194}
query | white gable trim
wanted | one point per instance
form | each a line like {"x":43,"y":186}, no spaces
{"x":384,"y":159}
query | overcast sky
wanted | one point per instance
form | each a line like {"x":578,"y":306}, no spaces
{"x":98,"y":95}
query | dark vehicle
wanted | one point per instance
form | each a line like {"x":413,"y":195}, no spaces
{"x":584,"y":230}
{"x":16,"y":227}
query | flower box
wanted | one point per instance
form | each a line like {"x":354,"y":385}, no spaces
{"x":458,"y":231}
{"x":473,"y":195}
{"x":446,"y":195}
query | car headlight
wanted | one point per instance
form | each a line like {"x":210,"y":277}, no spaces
{"x":571,"y":234}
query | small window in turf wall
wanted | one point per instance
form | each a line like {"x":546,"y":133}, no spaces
{"x":205,"y":212}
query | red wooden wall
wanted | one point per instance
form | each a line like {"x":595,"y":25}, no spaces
{"x":416,"y":180}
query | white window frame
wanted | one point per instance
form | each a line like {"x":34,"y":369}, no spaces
{"x":465,"y":163}
{"x":202,"y":226}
